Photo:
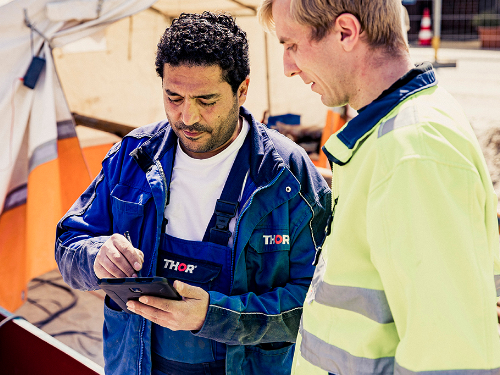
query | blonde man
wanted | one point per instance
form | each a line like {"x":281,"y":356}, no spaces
{"x":405,"y":283}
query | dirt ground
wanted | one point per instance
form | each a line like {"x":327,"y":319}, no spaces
{"x":73,"y":317}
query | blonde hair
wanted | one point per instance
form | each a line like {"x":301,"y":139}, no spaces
{"x":380,"y":19}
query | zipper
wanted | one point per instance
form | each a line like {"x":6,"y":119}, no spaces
{"x":154,"y":255}
{"x":165,"y":187}
{"x":245,"y":207}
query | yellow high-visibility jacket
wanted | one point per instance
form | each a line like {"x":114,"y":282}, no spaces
{"x":406,"y":281}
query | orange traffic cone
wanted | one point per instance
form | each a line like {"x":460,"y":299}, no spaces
{"x":425,"y":33}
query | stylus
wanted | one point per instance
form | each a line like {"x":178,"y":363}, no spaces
{"x":127,"y":236}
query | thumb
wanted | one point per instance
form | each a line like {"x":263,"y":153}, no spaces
{"x":188,"y":291}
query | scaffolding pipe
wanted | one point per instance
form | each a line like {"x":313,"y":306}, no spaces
{"x":436,"y":39}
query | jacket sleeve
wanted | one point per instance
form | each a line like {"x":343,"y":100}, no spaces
{"x":429,"y":228}
{"x":81,"y":233}
{"x":273,"y":316}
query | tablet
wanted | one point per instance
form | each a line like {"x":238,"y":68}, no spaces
{"x":122,"y":290}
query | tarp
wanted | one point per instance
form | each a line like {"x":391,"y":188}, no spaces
{"x":42,"y":169}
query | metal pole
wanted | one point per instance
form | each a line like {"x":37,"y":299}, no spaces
{"x":436,"y":39}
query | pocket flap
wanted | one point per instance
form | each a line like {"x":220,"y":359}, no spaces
{"x":128,"y":199}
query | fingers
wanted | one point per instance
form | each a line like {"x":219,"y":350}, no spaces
{"x":159,"y":303}
{"x":189,"y":291}
{"x":133,"y":256}
{"x":118,"y":258}
{"x":188,"y":314}
{"x":101,"y":272}
{"x":158,"y":313}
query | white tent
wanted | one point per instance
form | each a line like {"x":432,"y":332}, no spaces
{"x":42,"y":169}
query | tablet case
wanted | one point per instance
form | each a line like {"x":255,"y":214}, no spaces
{"x":122,"y":290}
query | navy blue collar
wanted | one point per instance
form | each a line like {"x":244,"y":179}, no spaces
{"x":371,"y":114}
{"x":265,"y":162}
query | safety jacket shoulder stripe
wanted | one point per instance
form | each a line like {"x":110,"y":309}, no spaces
{"x":406,"y":117}
{"x":399,"y":370}
{"x":341,"y":147}
{"x":369,"y":117}
{"x":329,"y":358}
{"x":368,"y":302}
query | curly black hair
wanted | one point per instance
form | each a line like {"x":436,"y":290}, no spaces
{"x":206,"y":39}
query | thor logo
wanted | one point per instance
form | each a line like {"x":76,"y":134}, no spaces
{"x":277,"y":239}
{"x":178,"y":266}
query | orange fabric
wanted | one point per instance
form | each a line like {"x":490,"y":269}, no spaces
{"x":13,"y":258}
{"x":27,"y":232}
{"x":333,"y":124}
{"x":74,"y":172}
{"x":94,"y":156}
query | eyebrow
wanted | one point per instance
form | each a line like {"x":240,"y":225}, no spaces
{"x":207,"y":96}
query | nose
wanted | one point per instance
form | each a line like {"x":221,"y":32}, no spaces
{"x":289,"y":65}
{"x":190,"y":113}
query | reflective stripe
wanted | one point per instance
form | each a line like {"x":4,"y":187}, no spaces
{"x":398,"y":370}
{"x":66,"y":129}
{"x":407,"y":116}
{"x":497,"y":284}
{"x":43,"y":153}
{"x":368,"y":302}
{"x":333,"y":359}
{"x":16,"y":197}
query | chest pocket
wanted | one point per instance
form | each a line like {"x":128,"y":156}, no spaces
{"x":268,"y":259}
{"x":128,"y":206}
{"x":270,"y":240}
{"x":195,"y":272}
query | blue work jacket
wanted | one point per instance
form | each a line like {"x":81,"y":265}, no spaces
{"x":284,"y":195}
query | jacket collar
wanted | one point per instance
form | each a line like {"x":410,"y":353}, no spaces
{"x":341,"y":146}
{"x":265,"y":162}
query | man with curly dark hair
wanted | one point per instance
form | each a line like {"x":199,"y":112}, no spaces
{"x":229,"y":211}
{"x":191,"y":40}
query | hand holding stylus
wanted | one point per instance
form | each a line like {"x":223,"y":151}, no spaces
{"x":118,"y":258}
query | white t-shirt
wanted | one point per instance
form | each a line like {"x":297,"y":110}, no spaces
{"x":195,"y":187}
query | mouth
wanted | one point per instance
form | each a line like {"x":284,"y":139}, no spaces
{"x":191,"y":134}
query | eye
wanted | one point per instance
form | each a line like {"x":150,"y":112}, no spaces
{"x":207,"y":104}
{"x":291,"y":47}
{"x":175,"y":101}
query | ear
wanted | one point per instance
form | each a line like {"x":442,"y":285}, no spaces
{"x":242,"y":91}
{"x":349,"y":29}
